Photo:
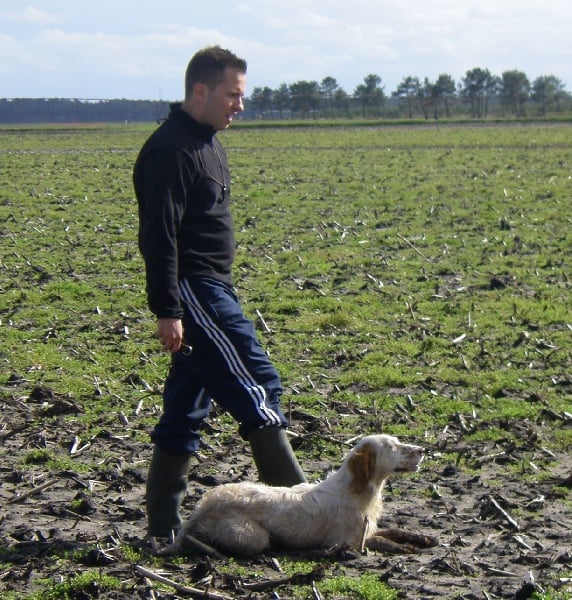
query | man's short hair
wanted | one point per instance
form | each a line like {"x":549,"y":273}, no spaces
{"x":208,"y":66}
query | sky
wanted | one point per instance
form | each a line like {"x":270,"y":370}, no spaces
{"x":137,"y":49}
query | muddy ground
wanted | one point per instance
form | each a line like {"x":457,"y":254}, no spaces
{"x":498,"y":524}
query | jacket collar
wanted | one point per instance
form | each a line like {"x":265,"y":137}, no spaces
{"x":205,"y":132}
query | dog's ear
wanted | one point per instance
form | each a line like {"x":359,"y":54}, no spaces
{"x":362,"y":465}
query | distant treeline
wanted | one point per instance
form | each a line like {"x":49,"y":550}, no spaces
{"x":64,"y":110}
{"x":479,"y":94}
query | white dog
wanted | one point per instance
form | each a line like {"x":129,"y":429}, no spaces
{"x":246,"y":518}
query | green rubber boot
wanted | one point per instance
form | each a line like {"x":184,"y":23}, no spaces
{"x":166,"y":489}
{"x":274,"y":457}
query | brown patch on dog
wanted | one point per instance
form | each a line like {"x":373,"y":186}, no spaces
{"x":361,"y":466}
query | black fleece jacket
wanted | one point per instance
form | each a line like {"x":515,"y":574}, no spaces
{"x":182,"y":181}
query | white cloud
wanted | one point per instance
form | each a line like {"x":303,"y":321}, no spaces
{"x":28,"y":15}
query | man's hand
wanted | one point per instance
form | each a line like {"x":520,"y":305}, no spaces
{"x":170,"y":334}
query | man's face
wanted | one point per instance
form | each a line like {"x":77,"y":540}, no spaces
{"x":223,"y":102}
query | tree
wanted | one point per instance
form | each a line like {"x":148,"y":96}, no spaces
{"x":261,"y":100}
{"x":328,"y":89}
{"x":370,"y":95}
{"x":360,"y":94}
{"x":426,"y":96}
{"x":304,"y":97}
{"x":342,"y":102}
{"x":282,"y":99}
{"x":515,"y":91}
{"x":408,"y":90}
{"x":444,"y":91}
{"x":547,"y":92}
{"x":478,"y":86}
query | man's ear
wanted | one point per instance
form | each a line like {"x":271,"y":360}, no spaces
{"x":200,"y":91}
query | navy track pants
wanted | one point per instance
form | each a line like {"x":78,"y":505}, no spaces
{"x":227,"y":364}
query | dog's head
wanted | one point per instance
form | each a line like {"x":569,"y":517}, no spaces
{"x":376,"y":457}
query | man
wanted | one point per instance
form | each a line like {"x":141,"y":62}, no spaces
{"x":186,"y":237}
